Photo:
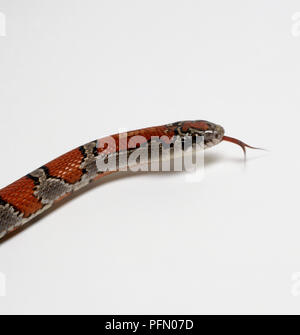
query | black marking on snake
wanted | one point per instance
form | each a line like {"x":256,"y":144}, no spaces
{"x":2,"y":202}
{"x":49,"y":176}
{"x":35,"y":179}
{"x":46,"y":170}
{"x":83,"y":152}
{"x":95,"y":150}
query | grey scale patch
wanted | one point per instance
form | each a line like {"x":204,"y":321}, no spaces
{"x":88,"y":164}
{"x":49,"y":189}
{"x":9,"y":219}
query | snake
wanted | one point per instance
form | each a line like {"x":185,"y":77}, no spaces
{"x":39,"y":190}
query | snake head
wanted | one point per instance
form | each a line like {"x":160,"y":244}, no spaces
{"x":211,"y":133}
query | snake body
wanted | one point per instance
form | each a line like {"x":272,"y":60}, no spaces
{"x":36,"y":192}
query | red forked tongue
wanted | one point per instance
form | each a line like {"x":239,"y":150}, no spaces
{"x":240,"y":143}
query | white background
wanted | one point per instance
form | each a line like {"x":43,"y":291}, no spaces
{"x":73,"y":71}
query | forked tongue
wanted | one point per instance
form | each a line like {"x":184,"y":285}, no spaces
{"x":240,"y":143}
